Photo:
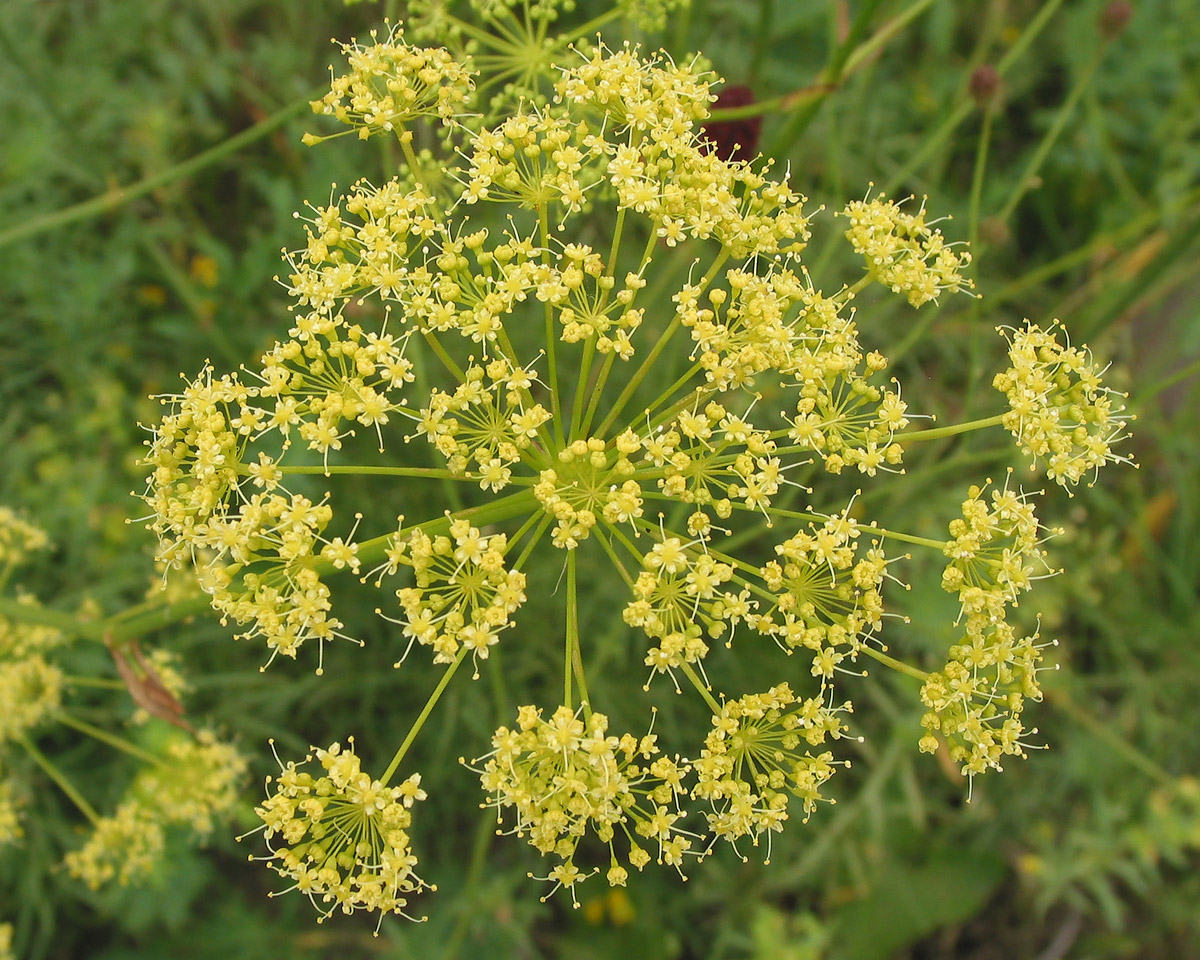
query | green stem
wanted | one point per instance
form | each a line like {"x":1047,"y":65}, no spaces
{"x":65,"y":785}
{"x":898,"y":665}
{"x":424,"y":715}
{"x":114,"y":198}
{"x":103,"y":683}
{"x":372,"y":551}
{"x":404,"y":135}
{"x":869,"y":47}
{"x":936,"y":433}
{"x":543,"y":524}
{"x":597,"y":22}
{"x":366,"y":471}
{"x":96,"y":733}
{"x":690,"y":672}
{"x":1026,"y":181}
{"x":1087,"y":251}
{"x":981,"y":153}
{"x":440,"y":352}
{"x":966,"y":104}
{"x":163,"y":616}
{"x":551,"y":339}
{"x":574,"y":664}
{"x":598,"y":533}
{"x":1190,"y":370}
{"x":762,"y":39}
{"x":1103,"y":732}
{"x":487,"y":39}
{"x":829,"y":78}
{"x":938,"y":545}
{"x":45,"y":617}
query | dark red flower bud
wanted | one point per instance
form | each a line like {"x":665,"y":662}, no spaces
{"x":1114,"y":17}
{"x":734,"y":139}
{"x":984,"y":84}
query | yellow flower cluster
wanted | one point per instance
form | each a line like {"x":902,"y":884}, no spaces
{"x":824,"y":597}
{"x":254,"y":553}
{"x":565,"y":777}
{"x":19,"y":640}
{"x":709,"y":458}
{"x":391,"y":83}
{"x":31,"y":685}
{"x":840,"y":415}
{"x":529,"y":160}
{"x":463,"y":595}
{"x":586,"y":488}
{"x":489,"y":419}
{"x":6,"y":945}
{"x":30,"y":692}
{"x":18,"y":538}
{"x":975,"y":701}
{"x":195,"y":783}
{"x":758,"y":754}
{"x":902,"y":252}
{"x":995,"y":555}
{"x":360,"y":246}
{"x":342,"y":837}
{"x":678,"y":600}
{"x":660,"y":168}
{"x":285,"y":601}
{"x":332,"y":373}
{"x":574,"y":380}
{"x":1059,"y":411}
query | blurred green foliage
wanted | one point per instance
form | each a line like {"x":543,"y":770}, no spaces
{"x":1085,"y":850}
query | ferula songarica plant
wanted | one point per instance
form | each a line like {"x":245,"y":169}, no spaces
{"x":607,"y":335}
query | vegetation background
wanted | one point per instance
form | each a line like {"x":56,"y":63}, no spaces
{"x":1087,"y":208}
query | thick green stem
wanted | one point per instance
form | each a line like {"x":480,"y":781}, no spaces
{"x":897,"y":665}
{"x":573,"y":667}
{"x":361,"y":470}
{"x":117,"y":627}
{"x":440,"y":352}
{"x":424,"y":715}
{"x":690,"y":672}
{"x":936,"y":433}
